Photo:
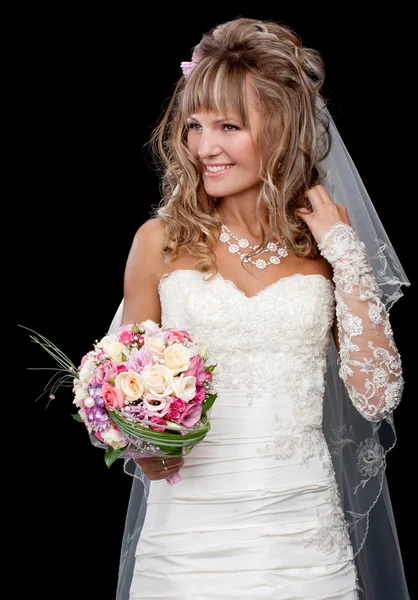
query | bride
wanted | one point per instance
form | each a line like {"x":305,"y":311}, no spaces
{"x":251,"y":254}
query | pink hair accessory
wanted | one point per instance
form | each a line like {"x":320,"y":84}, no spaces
{"x":188,"y":66}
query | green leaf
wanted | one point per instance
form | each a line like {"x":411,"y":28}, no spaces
{"x":210,"y":368}
{"x":204,"y":353}
{"x":135,"y":328}
{"x":208,"y":403}
{"x":111,"y":455}
{"x":77,"y":417}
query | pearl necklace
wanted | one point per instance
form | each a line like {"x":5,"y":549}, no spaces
{"x":282,"y":252}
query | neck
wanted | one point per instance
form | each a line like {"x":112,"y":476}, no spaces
{"x":240,"y":214}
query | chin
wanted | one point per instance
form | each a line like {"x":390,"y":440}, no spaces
{"x":219,"y":190}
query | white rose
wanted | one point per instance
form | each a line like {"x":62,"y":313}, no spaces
{"x":112,"y":437}
{"x":130,"y":384}
{"x":113,"y":348}
{"x":158,"y":380}
{"x":149,"y":325}
{"x":79,"y":394}
{"x":177,"y":358}
{"x":184,"y":387}
{"x":87,"y":370}
{"x":154,"y":344}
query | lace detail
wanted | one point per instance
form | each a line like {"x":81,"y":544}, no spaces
{"x":310,"y":442}
{"x":286,"y":326}
{"x":276,"y":343}
{"x":370,"y":365}
{"x":332,"y":531}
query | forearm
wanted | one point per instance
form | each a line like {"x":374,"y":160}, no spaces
{"x":370,"y":363}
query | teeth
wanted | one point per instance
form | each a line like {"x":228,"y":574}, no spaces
{"x":218,"y":168}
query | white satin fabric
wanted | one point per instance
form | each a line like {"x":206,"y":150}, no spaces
{"x":257,"y":514}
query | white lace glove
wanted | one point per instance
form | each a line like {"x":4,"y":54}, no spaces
{"x":370,"y":363}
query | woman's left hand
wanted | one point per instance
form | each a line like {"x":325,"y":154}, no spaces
{"x":325,"y":212}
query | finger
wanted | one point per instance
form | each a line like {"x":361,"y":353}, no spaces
{"x":159,"y":459}
{"x":304,"y":214}
{"x":325,"y":197}
{"x":166,"y":474}
{"x":314,"y":197}
{"x":342,"y":211}
{"x":171,"y":463}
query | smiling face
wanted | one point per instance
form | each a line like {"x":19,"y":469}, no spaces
{"x":227,"y":150}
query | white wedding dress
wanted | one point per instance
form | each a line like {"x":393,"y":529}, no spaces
{"x":257,"y":515}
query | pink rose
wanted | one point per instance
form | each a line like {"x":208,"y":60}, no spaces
{"x":112,"y":396}
{"x":175,"y":335}
{"x":159,"y":421}
{"x":197,"y":369}
{"x":105,"y":372}
{"x":126,"y":337}
{"x":176,"y":408}
{"x":172,"y":414}
{"x":200,"y":394}
{"x":190,"y":415}
{"x":121,"y":368}
{"x":178,"y":404}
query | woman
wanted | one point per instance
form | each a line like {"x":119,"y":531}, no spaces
{"x":251,"y":255}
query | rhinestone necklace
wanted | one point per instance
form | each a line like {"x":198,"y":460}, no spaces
{"x":282,"y":252}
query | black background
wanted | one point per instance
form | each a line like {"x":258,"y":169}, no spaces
{"x":89,"y":87}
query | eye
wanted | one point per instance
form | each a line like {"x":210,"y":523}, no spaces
{"x":192,"y":125}
{"x":230,"y":127}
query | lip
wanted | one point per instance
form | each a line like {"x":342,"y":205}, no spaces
{"x":209,"y":174}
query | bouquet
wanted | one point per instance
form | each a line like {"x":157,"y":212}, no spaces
{"x":143,"y":391}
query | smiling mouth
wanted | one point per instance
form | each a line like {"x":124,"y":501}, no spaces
{"x":218,"y":170}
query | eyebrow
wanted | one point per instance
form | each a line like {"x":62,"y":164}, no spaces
{"x":218,"y":120}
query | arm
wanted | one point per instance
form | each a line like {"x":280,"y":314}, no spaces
{"x":143,"y":271}
{"x":141,"y":302}
{"x":370,"y":363}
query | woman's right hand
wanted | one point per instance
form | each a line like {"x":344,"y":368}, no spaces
{"x":154,"y":469}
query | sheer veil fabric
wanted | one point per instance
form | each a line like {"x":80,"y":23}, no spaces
{"x":357,"y":446}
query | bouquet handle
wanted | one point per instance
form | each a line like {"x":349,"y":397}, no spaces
{"x":174,"y":479}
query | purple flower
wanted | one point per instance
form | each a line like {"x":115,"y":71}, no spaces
{"x":97,"y":418}
{"x":138,"y":360}
{"x":94,"y":390}
{"x":190,"y":415}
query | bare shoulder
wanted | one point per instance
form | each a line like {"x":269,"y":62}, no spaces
{"x":144,"y":269}
{"x":152,"y":234}
{"x":147,"y":245}
{"x":154,"y":226}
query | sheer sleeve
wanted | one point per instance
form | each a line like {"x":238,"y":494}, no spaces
{"x":370,"y":365}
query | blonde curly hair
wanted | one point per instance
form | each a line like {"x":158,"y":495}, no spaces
{"x":286,"y":78}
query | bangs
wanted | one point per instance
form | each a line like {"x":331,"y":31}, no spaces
{"x":220,"y":87}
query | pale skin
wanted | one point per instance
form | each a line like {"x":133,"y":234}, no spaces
{"x":220,"y":139}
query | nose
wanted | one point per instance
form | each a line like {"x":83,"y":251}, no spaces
{"x":208,"y":145}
